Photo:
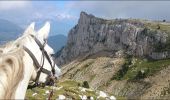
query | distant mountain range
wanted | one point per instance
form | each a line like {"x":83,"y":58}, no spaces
{"x":57,"y":41}
{"x":10,"y":31}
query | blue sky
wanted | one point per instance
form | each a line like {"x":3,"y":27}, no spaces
{"x":63,"y":15}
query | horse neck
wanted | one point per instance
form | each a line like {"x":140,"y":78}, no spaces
{"x":16,"y":71}
{"x":28,"y":72}
{"x":11,"y":69}
{"x":16,"y":68}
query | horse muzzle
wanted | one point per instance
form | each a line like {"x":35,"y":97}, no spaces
{"x":50,"y":80}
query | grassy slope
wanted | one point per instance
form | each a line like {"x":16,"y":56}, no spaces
{"x":149,"y":67}
{"x":69,"y":88}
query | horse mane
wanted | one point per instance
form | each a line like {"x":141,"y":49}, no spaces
{"x":11,"y":68}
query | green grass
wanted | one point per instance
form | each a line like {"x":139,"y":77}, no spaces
{"x":69,"y":83}
{"x":163,"y":27}
{"x":149,"y":68}
{"x":123,"y":70}
{"x":133,"y":71}
{"x":70,"y":89}
{"x":91,"y":93}
{"x":39,"y":91}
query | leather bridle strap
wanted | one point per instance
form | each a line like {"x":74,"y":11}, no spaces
{"x":36,"y":62}
{"x":44,"y":53}
{"x":37,"y":65}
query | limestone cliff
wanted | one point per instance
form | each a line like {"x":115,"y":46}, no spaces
{"x":92,"y":35}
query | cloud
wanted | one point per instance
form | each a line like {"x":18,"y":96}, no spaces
{"x":66,"y":13}
{"x":51,"y":10}
{"x":124,"y":9}
{"x":9,"y":5}
{"x":64,"y":16}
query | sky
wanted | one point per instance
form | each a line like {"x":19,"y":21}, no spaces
{"x":63,"y":15}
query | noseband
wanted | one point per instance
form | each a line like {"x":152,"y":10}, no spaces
{"x":37,"y":64}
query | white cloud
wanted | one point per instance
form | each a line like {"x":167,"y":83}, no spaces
{"x":64,"y":16}
{"x":8,"y":5}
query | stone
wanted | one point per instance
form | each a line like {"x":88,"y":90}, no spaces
{"x":34,"y":94}
{"x":61,"y":97}
{"x":112,"y":98}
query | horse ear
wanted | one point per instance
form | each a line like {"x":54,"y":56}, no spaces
{"x":30,"y":29}
{"x":44,"y":31}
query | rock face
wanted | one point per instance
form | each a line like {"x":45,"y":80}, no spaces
{"x":160,"y":55}
{"x":92,"y":35}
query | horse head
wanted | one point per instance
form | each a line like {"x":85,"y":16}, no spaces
{"x":27,"y":58}
{"x":41,"y":54}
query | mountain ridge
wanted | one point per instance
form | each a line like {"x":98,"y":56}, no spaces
{"x":131,"y":36}
{"x":9,"y":31}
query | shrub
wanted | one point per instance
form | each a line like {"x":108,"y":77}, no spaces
{"x":120,"y":74}
{"x":85,"y":84}
{"x":140,"y":75}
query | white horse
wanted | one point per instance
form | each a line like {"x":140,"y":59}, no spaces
{"x":27,"y":58}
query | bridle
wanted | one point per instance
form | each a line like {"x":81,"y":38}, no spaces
{"x":37,"y":64}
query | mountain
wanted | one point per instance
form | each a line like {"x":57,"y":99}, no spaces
{"x":9,"y":31}
{"x":57,"y":41}
{"x":132,"y":37}
{"x":128,"y":58}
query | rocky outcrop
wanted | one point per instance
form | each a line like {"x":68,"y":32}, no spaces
{"x":160,"y":55}
{"x":92,"y":35}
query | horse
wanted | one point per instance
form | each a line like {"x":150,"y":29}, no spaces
{"x":28,"y":58}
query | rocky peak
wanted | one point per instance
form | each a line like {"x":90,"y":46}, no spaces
{"x":87,"y":19}
{"x":85,"y":15}
{"x":92,"y":35}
